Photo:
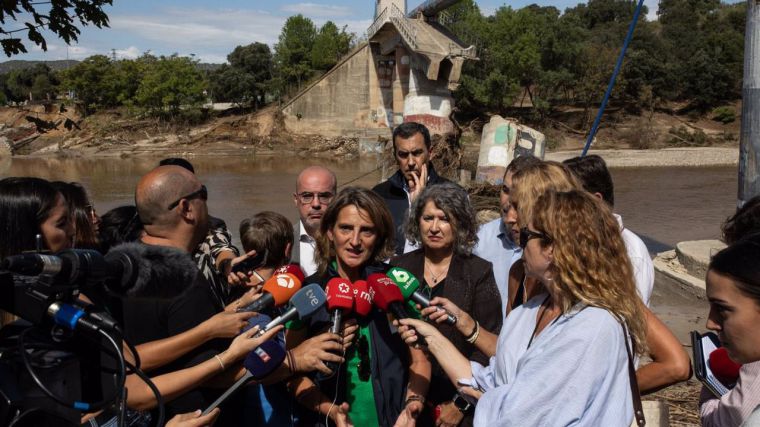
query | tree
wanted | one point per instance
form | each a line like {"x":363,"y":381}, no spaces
{"x":329,"y":46}
{"x":94,"y":83}
{"x":293,"y":50}
{"x":169,"y":84}
{"x":34,"y":83}
{"x":59,"y":17}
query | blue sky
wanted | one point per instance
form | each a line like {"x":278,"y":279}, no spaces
{"x":210,"y":30}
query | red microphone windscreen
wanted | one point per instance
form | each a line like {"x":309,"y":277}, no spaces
{"x":725,"y":369}
{"x":293,"y":269}
{"x":339,"y":295}
{"x":362,"y":299}
{"x":282,"y":286}
{"x":383,"y":291}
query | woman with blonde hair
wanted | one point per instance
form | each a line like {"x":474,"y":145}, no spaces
{"x":565,"y":357}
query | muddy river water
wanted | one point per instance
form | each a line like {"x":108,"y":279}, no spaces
{"x":663,"y":205}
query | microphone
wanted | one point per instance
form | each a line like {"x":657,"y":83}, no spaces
{"x":387,"y":296}
{"x":303,"y":304}
{"x":277,"y":291}
{"x":340,"y":301}
{"x":293,"y":269}
{"x":724,"y":369}
{"x":130,"y":269}
{"x":409,"y":285}
{"x":362,"y":299}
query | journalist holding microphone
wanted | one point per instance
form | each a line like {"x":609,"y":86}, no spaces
{"x":443,"y":221}
{"x":563,"y":357}
{"x":382,"y":382}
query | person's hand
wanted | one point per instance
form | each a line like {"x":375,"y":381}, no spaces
{"x":239,"y":278}
{"x":312,"y":354}
{"x":408,"y":417}
{"x":246,"y":299}
{"x":339,"y":415}
{"x":245,"y":343}
{"x":226,"y":324}
{"x":349,"y":333}
{"x":412,"y":329}
{"x":417,"y":183}
{"x":465,"y":323}
{"x":469,"y":391}
{"x":450,"y":416}
{"x":193,"y":419}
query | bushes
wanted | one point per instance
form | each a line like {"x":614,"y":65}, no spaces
{"x":724,"y":115}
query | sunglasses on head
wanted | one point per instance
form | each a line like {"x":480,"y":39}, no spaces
{"x":526,"y":234}
{"x":201,"y":193}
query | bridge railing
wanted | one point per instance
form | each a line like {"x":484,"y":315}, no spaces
{"x":381,"y":19}
{"x":404,"y":27}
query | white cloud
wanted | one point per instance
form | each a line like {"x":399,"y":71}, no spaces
{"x":131,"y":52}
{"x":315,"y":10}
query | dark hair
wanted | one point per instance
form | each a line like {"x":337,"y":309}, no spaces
{"x":79,"y":213}
{"x":594,"y":175}
{"x":25,"y":203}
{"x":408,"y":130}
{"x":177,"y":161}
{"x":454,"y":202}
{"x":744,"y":222}
{"x":379,"y":214}
{"x":119,"y":225}
{"x":741,"y":261}
{"x":268,"y":231}
{"x":521,"y":162}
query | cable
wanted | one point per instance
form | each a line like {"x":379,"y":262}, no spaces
{"x":337,"y":386}
{"x":156,"y":392}
{"x":80,"y":406}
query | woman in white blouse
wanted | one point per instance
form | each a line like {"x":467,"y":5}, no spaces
{"x":561,"y":358}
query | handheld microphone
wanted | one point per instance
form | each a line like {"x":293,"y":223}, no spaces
{"x":409,"y":285}
{"x":362,"y":299}
{"x":303,"y":304}
{"x":293,"y":269}
{"x":277,"y":291}
{"x":724,"y":369}
{"x":387,"y":296}
{"x":340,"y":301}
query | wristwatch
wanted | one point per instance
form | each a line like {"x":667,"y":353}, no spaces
{"x":462,"y":404}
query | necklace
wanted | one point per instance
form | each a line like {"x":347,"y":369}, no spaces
{"x":436,"y":277}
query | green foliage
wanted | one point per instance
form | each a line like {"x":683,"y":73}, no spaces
{"x":329,"y":46}
{"x":31,"y":84}
{"x":293,"y":50}
{"x":247,"y":78}
{"x":681,"y":136}
{"x":724,"y":115}
{"x":171,"y":83}
{"x":57,"y":16}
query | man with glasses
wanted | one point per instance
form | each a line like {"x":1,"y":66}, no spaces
{"x":315,"y":188}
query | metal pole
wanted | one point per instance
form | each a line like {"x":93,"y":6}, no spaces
{"x":749,"y":146}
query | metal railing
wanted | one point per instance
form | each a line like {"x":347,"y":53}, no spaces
{"x":405,"y":28}
{"x":381,"y":19}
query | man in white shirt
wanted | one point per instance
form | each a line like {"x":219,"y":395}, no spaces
{"x":315,"y":188}
{"x":596,"y":179}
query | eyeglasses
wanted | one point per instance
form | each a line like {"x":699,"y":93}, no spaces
{"x":526,"y":235}
{"x":307,"y":197}
{"x":202,"y":193}
{"x":363,"y":367}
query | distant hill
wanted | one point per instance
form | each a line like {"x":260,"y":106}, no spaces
{"x":15,"y":64}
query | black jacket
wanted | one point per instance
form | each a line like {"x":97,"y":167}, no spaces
{"x":388,"y":358}
{"x":392,"y":191}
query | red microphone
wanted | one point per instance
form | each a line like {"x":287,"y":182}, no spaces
{"x":277,"y":291}
{"x":387,"y":296}
{"x":724,"y":369}
{"x":362,"y":299}
{"x":293,"y":269}
{"x":340,"y":301}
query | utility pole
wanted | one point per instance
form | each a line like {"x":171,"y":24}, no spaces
{"x":749,"y":146}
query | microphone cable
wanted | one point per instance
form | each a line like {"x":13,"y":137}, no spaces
{"x":337,"y":386}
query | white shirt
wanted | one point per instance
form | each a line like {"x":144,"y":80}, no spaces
{"x":306,"y":247}
{"x":574,"y":373}
{"x":643,"y":269}
{"x":495,"y":245}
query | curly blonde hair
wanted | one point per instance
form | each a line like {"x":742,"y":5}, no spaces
{"x":530,"y":182}
{"x":590,"y":259}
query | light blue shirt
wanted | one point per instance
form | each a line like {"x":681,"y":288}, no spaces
{"x":496,"y":246}
{"x":574,"y":373}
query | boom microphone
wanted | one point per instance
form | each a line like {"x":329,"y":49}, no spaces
{"x":303,"y":304}
{"x":277,"y":291}
{"x":409,"y":285}
{"x":724,"y":369}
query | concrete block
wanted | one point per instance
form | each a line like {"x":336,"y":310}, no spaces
{"x":695,"y":255}
{"x":667,"y":264}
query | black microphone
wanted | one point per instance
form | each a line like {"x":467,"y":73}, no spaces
{"x":303,"y":304}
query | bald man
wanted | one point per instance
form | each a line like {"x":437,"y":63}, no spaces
{"x":315,"y":188}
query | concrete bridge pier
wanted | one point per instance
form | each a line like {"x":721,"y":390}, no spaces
{"x":430,"y":103}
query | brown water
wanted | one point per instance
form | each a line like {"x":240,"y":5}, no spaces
{"x":663,"y":205}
